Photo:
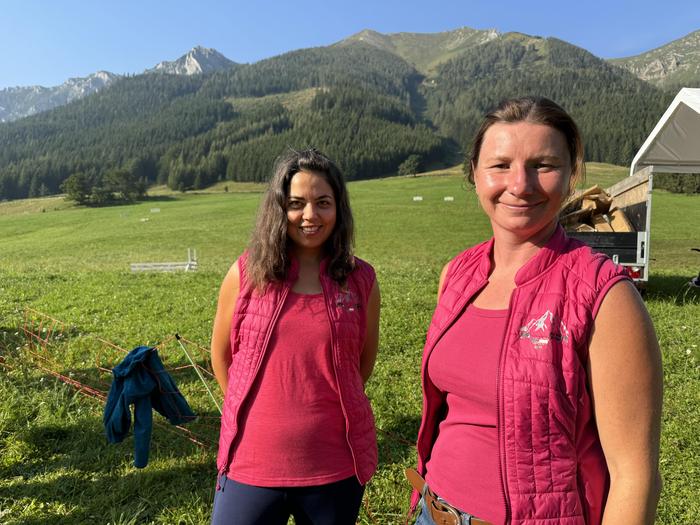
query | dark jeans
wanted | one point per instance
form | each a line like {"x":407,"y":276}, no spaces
{"x":333,"y":504}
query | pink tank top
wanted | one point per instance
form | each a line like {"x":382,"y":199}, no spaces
{"x":293,"y":430}
{"x":463,"y":465}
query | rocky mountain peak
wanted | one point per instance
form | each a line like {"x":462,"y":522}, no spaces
{"x":465,"y":36}
{"x":425,"y":51}
{"x":20,"y":102}
{"x":673,"y":63}
{"x":196,"y":61}
{"x":371,"y":37}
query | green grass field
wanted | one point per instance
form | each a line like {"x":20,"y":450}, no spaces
{"x":73,"y":264}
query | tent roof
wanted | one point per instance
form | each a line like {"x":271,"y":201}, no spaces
{"x":673,"y":146}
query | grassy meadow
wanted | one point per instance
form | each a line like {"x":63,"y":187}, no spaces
{"x":73,"y":264}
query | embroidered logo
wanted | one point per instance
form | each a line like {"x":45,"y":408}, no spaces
{"x":347,"y":300}
{"x":544,"y":329}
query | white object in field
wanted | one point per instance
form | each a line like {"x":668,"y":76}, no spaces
{"x":449,"y":198}
{"x":417,"y":198}
{"x":189,"y":265}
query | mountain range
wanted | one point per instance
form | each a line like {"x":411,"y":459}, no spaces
{"x":20,"y":102}
{"x":370,"y":101}
{"x":672,"y":65}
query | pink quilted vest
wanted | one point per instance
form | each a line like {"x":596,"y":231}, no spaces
{"x":254,"y":317}
{"x":552,"y":466}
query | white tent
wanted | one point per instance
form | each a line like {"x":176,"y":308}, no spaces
{"x":673,"y":146}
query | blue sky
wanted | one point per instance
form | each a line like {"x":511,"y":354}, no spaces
{"x":46,"y":42}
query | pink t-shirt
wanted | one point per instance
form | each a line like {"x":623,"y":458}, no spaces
{"x":292,"y":430}
{"x":463,"y":466}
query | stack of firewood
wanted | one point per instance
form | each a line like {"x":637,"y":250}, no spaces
{"x":593,"y":210}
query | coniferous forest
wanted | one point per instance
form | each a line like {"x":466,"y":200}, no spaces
{"x":367,"y":108}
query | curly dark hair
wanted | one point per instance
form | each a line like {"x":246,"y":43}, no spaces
{"x":268,"y":251}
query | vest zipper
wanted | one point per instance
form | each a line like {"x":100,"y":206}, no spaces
{"x":336,"y":366}
{"x":273,"y":322}
{"x":500,"y":412}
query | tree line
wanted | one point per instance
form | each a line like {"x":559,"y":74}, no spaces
{"x":367,"y":108}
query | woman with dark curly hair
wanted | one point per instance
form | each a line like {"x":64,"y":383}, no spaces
{"x":295,"y":338}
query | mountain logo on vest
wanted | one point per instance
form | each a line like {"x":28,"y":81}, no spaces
{"x":347,"y":300}
{"x":540,"y":331}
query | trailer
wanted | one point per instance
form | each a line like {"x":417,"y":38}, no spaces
{"x":673,"y":146}
{"x":632,"y":196}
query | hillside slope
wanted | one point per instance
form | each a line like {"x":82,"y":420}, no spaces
{"x":614,"y":109}
{"x":671,"y":66}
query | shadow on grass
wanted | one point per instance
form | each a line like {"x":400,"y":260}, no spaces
{"x":159,"y":198}
{"x":397,"y":442}
{"x":674,"y":288}
{"x":70,"y":474}
{"x":82,"y":446}
{"x":134,"y":496}
{"x":10,"y":339}
{"x":116,"y":203}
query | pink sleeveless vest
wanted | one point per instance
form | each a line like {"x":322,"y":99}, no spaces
{"x":552,"y":466}
{"x":254,"y":317}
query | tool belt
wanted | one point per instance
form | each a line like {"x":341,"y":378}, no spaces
{"x":441,"y":512}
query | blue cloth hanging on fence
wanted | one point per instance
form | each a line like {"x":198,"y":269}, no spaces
{"x":141,"y":380}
